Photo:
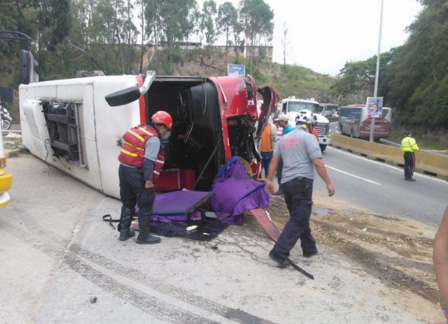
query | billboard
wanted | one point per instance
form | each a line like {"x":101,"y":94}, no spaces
{"x":374,"y":107}
{"x":236,"y":69}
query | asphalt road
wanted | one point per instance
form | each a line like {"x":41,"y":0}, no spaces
{"x":381,"y":189}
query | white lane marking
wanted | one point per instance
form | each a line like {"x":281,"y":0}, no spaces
{"x":354,"y":176}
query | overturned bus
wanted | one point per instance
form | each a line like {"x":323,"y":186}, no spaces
{"x":70,"y":125}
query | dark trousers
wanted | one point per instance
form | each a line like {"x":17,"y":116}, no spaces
{"x":266,"y":158}
{"x":132,"y":188}
{"x":298,"y":197}
{"x":409,"y":164}
{"x":279,"y":173}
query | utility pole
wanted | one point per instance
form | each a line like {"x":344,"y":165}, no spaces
{"x":375,"y":91}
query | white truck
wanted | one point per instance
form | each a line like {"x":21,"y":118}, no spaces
{"x":291,"y":107}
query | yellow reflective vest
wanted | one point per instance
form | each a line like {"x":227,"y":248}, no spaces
{"x":408,"y":144}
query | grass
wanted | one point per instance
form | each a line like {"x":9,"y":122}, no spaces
{"x":423,"y":140}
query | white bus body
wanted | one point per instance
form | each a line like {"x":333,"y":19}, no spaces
{"x":97,"y":125}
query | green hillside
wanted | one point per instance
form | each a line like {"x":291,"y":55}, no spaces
{"x":287,"y":81}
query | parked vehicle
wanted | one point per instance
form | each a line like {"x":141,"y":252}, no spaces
{"x":69,"y":124}
{"x":291,"y":107}
{"x":329,"y":109}
{"x":6,"y":118}
{"x":5,"y":178}
{"x":355,"y":122}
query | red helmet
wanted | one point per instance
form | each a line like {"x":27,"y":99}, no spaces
{"x":162,"y":117}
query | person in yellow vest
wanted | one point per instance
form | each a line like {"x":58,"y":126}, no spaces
{"x":409,"y":146}
{"x":141,"y":159}
{"x":268,"y":140}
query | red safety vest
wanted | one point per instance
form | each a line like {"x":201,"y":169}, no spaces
{"x":133,"y":148}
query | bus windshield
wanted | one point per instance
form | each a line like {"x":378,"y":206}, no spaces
{"x":297,"y":106}
{"x":350,"y":115}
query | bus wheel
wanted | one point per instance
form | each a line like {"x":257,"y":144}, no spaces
{"x":322,"y":147}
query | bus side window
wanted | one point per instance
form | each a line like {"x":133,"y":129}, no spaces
{"x":285,"y":106}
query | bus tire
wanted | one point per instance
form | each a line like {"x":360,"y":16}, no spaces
{"x":322,"y":147}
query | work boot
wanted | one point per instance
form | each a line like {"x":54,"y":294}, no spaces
{"x":124,"y":227}
{"x":282,"y":262}
{"x":144,"y":221}
{"x":307,"y":254}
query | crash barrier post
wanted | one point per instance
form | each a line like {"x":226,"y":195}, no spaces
{"x":426,"y":162}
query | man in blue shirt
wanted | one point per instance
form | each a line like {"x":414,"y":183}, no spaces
{"x":301,"y":154}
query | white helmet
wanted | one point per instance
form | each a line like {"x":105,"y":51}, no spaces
{"x":304,"y":116}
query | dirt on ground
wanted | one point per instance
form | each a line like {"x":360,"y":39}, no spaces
{"x":394,"y":249}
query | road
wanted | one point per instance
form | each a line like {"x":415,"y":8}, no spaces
{"x":381,"y":189}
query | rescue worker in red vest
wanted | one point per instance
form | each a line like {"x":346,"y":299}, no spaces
{"x":409,"y":146}
{"x":141,"y":159}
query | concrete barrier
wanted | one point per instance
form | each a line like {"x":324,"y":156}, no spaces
{"x":426,"y":162}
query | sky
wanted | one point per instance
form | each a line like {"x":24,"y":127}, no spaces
{"x":325,"y":34}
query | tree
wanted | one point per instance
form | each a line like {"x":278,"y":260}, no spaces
{"x":141,"y":16}
{"x":358,"y":78}
{"x":257,"y":20}
{"x":355,"y":77}
{"x":169,"y":22}
{"x":207,"y":22}
{"x":417,"y":79}
{"x":285,"y":44}
{"x":237,"y":29}
{"x":227,"y":14}
{"x":109,"y":32}
{"x":54,"y":22}
{"x":21,"y":16}
{"x":153,"y":26}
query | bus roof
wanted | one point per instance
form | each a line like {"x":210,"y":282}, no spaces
{"x":354,"y":106}
{"x":293,"y":98}
{"x":327,"y":104}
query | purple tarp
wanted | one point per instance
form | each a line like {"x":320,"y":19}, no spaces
{"x":235,"y":192}
{"x":179,"y":202}
{"x":179,"y":205}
